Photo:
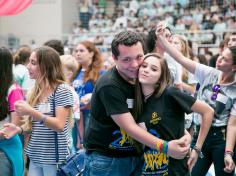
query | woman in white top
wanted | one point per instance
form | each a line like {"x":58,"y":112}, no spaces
{"x":217,"y":88}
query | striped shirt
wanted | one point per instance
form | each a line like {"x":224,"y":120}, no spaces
{"x":41,"y":146}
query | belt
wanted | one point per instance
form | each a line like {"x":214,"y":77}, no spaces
{"x":213,"y":128}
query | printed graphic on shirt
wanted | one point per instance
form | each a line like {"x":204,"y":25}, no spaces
{"x":79,"y":87}
{"x":222,"y":103}
{"x":123,"y":142}
{"x":155,"y":118}
{"x":155,"y":162}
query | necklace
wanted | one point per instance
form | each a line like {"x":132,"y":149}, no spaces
{"x":148,"y":95}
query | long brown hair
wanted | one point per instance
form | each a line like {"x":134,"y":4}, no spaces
{"x":6,"y":77}
{"x":163,"y":82}
{"x":51,"y":73}
{"x":92,"y":73}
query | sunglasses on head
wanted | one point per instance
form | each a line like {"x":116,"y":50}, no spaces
{"x":216,"y":90}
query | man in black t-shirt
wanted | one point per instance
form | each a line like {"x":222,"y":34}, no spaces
{"x":109,"y":148}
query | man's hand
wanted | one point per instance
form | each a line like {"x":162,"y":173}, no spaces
{"x":179,"y":148}
{"x":188,"y":138}
{"x":86,"y":98}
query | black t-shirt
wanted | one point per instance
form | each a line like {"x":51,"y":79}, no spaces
{"x":164,"y":118}
{"x":112,"y":95}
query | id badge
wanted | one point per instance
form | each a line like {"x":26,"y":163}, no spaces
{"x":130,"y":103}
{"x":44,"y":107}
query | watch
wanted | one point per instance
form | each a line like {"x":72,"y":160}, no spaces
{"x":199,"y":152}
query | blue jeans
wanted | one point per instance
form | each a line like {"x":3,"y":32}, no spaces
{"x":75,"y":132}
{"x":213,"y":151}
{"x":86,"y":116}
{"x":97,"y":164}
{"x":42,"y":170}
{"x":75,"y":129}
{"x":5,"y":165}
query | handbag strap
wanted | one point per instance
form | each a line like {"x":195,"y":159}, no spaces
{"x":55,"y":133}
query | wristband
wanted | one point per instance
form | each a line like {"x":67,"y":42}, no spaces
{"x":228,"y":152}
{"x":44,"y":117}
{"x":162,"y":146}
{"x":158,"y":145}
{"x":199,"y":152}
{"x":165,"y":148}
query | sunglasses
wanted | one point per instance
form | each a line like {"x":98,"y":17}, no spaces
{"x":216,"y":90}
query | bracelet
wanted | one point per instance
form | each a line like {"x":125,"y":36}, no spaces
{"x":165,"y":144}
{"x":158,"y":145}
{"x":199,"y":152}
{"x":21,"y":132}
{"x":44,"y":117}
{"x":228,"y":152}
{"x":162,"y":146}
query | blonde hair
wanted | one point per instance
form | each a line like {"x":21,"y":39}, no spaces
{"x":185,"y":50}
{"x":184,"y":45}
{"x":69,"y":62}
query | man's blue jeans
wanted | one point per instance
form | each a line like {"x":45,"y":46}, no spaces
{"x":97,"y":164}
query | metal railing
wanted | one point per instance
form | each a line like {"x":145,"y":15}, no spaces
{"x":202,"y":39}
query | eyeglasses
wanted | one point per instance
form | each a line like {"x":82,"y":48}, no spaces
{"x":216,"y":90}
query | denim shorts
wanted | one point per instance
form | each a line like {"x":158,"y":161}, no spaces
{"x":5,"y":165}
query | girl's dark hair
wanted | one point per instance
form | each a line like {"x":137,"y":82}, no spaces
{"x":233,"y":52}
{"x":151,"y":40}
{"x":6,"y":77}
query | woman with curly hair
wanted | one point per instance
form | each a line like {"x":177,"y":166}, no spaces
{"x":90,"y":65}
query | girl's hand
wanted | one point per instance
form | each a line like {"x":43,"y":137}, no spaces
{"x":229,"y":164}
{"x":10,"y":130}
{"x":22,"y":108}
{"x":160,"y":28}
{"x":86,"y":98}
{"x":192,"y":160}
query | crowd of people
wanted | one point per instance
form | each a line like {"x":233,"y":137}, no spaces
{"x":150,"y":107}
{"x":183,"y":16}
